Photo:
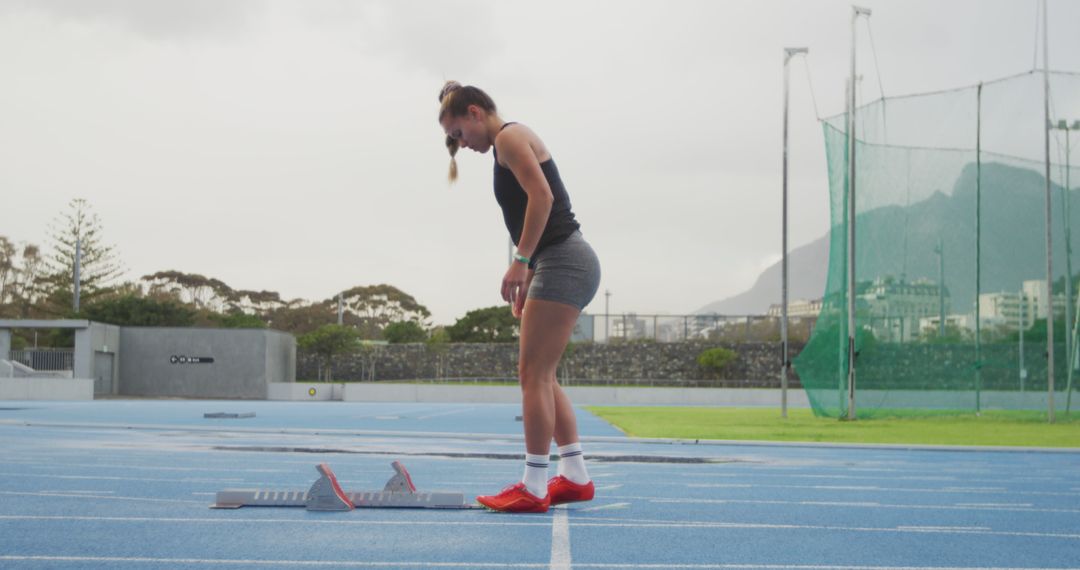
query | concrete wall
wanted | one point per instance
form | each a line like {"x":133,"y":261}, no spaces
{"x":93,"y":344}
{"x":584,"y":395}
{"x":757,"y":365}
{"x":304,"y":391}
{"x":245,"y":361}
{"x":280,"y":357}
{"x":46,"y":389}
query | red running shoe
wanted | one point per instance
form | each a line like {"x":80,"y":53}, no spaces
{"x":515,"y":499}
{"x":562,"y":490}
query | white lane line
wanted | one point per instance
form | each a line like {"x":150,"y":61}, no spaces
{"x":83,"y":496}
{"x":600,"y":523}
{"x":608,"y":487}
{"x":117,"y":478}
{"x":560,"y":541}
{"x":250,"y":562}
{"x":450,"y":413}
{"x":995,"y":504}
{"x":604,"y":507}
{"x":540,"y":521}
{"x":57,"y":465}
{"x":943,"y":528}
{"x":401,"y":564}
{"x":78,"y":492}
{"x":845,"y":504}
{"x":973,"y":490}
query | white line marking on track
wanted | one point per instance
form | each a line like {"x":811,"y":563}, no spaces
{"x":84,"y":496}
{"x":451,"y":412}
{"x":609,"y":487}
{"x":582,"y":522}
{"x":995,"y":504}
{"x":78,"y":492}
{"x":945,"y":528}
{"x":845,"y":504}
{"x":973,"y":490}
{"x":401,"y":564}
{"x":560,"y":541}
{"x":116,"y":478}
{"x":604,"y":507}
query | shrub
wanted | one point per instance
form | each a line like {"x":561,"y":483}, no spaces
{"x":714,"y":360}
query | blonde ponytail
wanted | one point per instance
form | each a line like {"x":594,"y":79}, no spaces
{"x":452,"y":146}
{"x":454,"y":100}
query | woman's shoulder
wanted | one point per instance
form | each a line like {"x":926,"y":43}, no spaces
{"x":516,"y":137}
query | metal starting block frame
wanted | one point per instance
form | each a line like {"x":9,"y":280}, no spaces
{"x":326,"y":495}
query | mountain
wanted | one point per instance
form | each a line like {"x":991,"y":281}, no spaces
{"x":807,"y":269}
{"x":898,"y":241}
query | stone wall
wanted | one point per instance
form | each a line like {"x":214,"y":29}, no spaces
{"x":670,"y":364}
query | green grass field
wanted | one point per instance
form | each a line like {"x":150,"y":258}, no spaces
{"x":1008,"y":428}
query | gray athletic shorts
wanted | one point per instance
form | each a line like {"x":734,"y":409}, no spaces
{"x":567,"y":272}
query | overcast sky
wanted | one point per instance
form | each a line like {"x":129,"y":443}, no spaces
{"x":293,"y":146}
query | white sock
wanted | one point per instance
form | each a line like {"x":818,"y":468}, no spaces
{"x":572,"y":463}
{"x":536,"y":471}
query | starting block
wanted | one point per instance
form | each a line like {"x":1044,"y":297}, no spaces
{"x":327,"y":495}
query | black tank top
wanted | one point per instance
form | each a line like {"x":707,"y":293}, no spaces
{"x":513,"y":200}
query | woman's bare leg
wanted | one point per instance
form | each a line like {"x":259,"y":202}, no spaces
{"x":546,"y":327}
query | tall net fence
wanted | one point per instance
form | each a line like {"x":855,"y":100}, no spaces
{"x":951,"y":298}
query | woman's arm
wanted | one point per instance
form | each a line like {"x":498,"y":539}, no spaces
{"x":516,"y":152}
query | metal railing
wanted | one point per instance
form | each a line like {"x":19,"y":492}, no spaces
{"x":45,"y":358}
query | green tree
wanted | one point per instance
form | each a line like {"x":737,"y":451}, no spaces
{"x":376,"y":306}
{"x":954,"y":334}
{"x":237,"y":320}
{"x":714,"y":360}
{"x":130,"y":310}
{"x":328,"y":341}
{"x":301,"y":319}
{"x":98,"y":268}
{"x":1037,"y":331}
{"x":203,"y":292}
{"x":22,"y":280}
{"x":403,"y":332}
{"x":493,"y":324}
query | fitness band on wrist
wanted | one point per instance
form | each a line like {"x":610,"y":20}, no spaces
{"x":521,"y":258}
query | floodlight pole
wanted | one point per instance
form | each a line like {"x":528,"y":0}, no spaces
{"x":785,"y":363}
{"x":1049,"y":244}
{"x":856,"y":11}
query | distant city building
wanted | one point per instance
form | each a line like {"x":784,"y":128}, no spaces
{"x":962,"y":322}
{"x":627,"y":326}
{"x":1031,"y":299}
{"x":895,"y":307}
{"x":797,"y":308}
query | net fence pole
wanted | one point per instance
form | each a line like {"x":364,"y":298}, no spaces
{"x":1072,"y":341}
{"x":856,"y":11}
{"x":844,"y":354}
{"x":1068,"y":276}
{"x":784,"y":364}
{"x":1049,"y":242}
{"x":1023,"y":371}
{"x":978,"y":249}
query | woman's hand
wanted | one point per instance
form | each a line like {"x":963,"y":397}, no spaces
{"x":515,"y":286}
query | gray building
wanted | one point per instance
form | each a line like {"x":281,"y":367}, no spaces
{"x":155,"y":361}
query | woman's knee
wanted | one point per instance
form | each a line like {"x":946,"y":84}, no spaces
{"x":532,"y":375}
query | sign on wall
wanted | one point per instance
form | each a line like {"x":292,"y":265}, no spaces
{"x":174,"y":359}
